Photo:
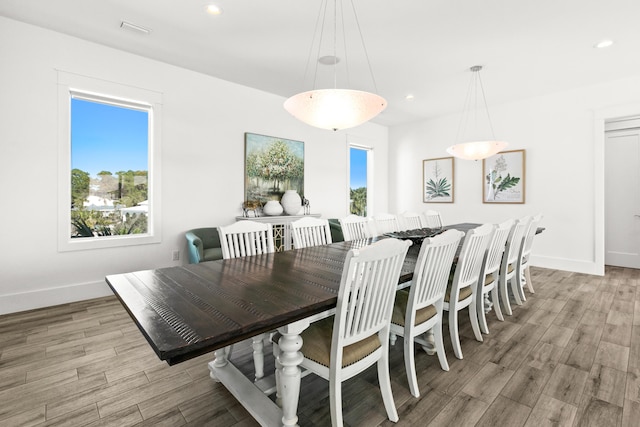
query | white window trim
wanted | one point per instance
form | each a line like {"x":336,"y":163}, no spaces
{"x":95,"y":89}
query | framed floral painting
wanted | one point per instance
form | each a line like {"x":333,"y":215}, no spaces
{"x":272,"y":166}
{"x":503,"y":177}
{"x":437,"y":180}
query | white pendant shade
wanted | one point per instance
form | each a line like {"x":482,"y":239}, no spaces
{"x":476,"y":150}
{"x":335,"y":108}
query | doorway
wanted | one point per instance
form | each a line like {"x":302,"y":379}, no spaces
{"x":622,"y":192}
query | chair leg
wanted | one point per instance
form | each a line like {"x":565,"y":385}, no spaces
{"x":410,"y":365}
{"x":473,"y":317}
{"x":516,"y":289}
{"x":528,"y":281}
{"x":496,"y":303}
{"x":453,"y":332}
{"x":442,"y":356}
{"x":335,"y":402}
{"x":385,"y":386}
{"x":482,"y":318}
{"x":504,"y":294}
{"x":258,"y":355}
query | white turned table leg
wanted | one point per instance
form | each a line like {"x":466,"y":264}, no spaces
{"x":289,"y":360}
{"x":488,"y":305}
{"x":258,"y":355}
{"x":220,"y":361}
{"x":430,"y":347}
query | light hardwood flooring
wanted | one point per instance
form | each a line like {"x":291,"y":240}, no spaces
{"x":570,"y":356}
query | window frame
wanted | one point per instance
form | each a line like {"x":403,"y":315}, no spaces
{"x":95,"y":90}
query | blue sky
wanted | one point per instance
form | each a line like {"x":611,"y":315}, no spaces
{"x":358,"y":168}
{"x":105,"y":137}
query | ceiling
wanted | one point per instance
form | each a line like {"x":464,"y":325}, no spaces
{"x":418,"y":47}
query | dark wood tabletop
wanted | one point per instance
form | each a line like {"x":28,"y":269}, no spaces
{"x":190,"y":310}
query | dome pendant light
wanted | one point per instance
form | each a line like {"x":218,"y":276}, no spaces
{"x":335,"y":108}
{"x":477,"y":148}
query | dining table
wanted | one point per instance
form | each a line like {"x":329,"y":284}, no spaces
{"x":189,"y":310}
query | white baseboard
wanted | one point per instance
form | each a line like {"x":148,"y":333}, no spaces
{"x":586,"y":267}
{"x":14,"y":303}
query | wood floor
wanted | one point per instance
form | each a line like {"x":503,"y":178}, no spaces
{"x":570,"y":356}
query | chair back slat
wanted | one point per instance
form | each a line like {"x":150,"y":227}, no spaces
{"x":246,"y":238}
{"x":310,"y":231}
{"x":496,"y":248}
{"x":432,"y":219}
{"x":386,"y":223}
{"x":527,"y":244}
{"x":432,"y":270}
{"x":354,"y":227}
{"x":471,"y":257}
{"x":367,"y":290}
{"x":411,"y":221}
{"x":514,"y":242}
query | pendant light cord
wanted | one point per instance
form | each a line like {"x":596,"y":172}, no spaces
{"x":472,"y":92}
{"x":364,"y":47}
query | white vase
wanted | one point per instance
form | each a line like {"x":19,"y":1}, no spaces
{"x":291,"y":202}
{"x":272,"y":208}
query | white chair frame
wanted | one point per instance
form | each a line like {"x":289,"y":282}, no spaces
{"x":411,"y":221}
{"x":490,"y":273}
{"x":523,"y":276}
{"x":428,"y":288}
{"x":385,"y":223}
{"x":310,"y":231}
{"x":432,"y":219}
{"x":466,"y":275}
{"x":508,"y":266}
{"x":355,"y":227}
{"x":246,"y":238}
{"x":365,"y":301}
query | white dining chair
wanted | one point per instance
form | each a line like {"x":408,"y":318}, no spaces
{"x":355,"y":227}
{"x":489,"y":274}
{"x":463,"y":286}
{"x":507,"y":276}
{"x":310,"y":231}
{"x":339,"y":347}
{"x":411,"y":221}
{"x":432,"y":219}
{"x":247,"y":238}
{"x":420,"y":309}
{"x":385,"y":223}
{"x":523,"y":276}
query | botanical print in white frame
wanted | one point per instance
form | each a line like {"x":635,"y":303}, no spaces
{"x":437,"y":180}
{"x":503,"y":177}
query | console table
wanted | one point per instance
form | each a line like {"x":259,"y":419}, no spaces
{"x":282,"y":239}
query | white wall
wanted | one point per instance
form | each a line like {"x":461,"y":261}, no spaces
{"x":204,"y":121}
{"x":562,"y":135}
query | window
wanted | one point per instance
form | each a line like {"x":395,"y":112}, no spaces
{"x":360,"y":166}
{"x":108,"y":165}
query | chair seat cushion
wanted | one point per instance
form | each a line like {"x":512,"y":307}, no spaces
{"x":316,"y":344}
{"x":212,"y":254}
{"x":400,"y":310}
{"x":464,"y":293}
{"x":489,"y":279}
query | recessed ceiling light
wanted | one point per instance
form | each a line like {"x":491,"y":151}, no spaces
{"x":212,"y":9}
{"x":603,"y":44}
{"x":135,"y":27}
{"x":410,"y":97}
